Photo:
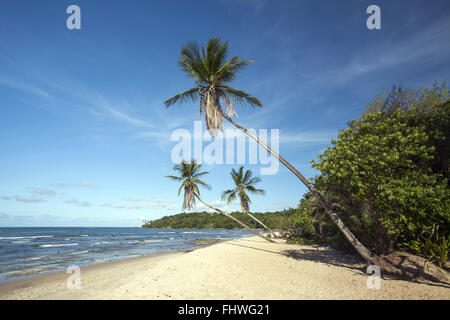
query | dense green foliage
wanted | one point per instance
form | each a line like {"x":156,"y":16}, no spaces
{"x":199,"y":220}
{"x":386,"y":175}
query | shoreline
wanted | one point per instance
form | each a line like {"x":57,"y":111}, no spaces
{"x":243,"y":268}
{"x":37,"y":276}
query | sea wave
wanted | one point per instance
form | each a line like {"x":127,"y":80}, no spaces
{"x":79,"y":252}
{"x":35,"y":237}
{"x":25,"y":237}
{"x":58,"y":245}
{"x":23,"y":272}
{"x":10,"y":238}
{"x":36,"y":258}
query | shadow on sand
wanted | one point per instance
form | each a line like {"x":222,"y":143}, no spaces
{"x":412,"y":271}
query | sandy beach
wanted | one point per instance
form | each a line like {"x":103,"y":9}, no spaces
{"x":246,"y":268}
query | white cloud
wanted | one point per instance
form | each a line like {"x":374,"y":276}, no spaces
{"x":425,"y":44}
{"x":46,"y":192}
{"x":28,"y":199}
{"x":222,"y":205}
{"x":164,"y":204}
{"x":120,"y":116}
{"x":79,"y":203}
{"x":137,"y":199}
{"x":25,"y":87}
{"x":78,"y":185}
{"x":122,"y":206}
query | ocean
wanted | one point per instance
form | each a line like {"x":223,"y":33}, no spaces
{"x":29,"y":251}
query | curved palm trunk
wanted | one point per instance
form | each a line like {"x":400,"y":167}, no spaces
{"x":359,"y":247}
{"x":237,"y":220}
{"x":266,"y":227}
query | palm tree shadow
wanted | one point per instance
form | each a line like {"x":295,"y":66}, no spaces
{"x":248,"y":240}
{"x":412,"y":270}
{"x":354,"y":263}
{"x":329,"y":257}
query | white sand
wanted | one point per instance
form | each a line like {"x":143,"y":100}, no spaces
{"x":248,"y":268}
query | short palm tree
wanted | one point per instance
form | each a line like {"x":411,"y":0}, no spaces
{"x":189,"y":173}
{"x":189,"y":178}
{"x":244,"y":184}
{"x":212,"y":73}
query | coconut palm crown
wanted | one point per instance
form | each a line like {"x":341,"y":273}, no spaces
{"x":189,"y":176}
{"x":244,"y":183}
{"x":211,"y":71}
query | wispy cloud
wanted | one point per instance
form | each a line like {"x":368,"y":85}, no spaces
{"x":121,"y":116}
{"x":256,"y":6}
{"x":219,"y":204}
{"x":28,"y":199}
{"x":164,"y":204}
{"x":136,"y":199}
{"x":23,"y":199}
{"x":77,"y":202}
{"x":432,"y":42}
{"x":78,"y":185}
{"x":41,"y":191}
{"x":122,"y":206}
{"x":25,"y":87}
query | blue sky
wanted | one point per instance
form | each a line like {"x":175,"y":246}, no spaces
{"x":85,"y":138}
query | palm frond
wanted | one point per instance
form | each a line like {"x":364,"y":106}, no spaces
{"x":231,"y":70}
{"x":253,"y":190}
{"x":191,"y":94}
{"x":253,"y":181}
{"x":247,"y":177}
{"x":229,"y":195}
{"x":191,"y":62}
{"x":173,"y":178}
{"x":202,"y":183}
{"x":240,"y":96}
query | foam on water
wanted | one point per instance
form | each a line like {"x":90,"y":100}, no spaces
{"x":54,"y":245}
{"x":26,"y":251}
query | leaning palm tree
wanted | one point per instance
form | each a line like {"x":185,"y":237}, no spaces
{"x":189,"y":177}
{"x":244,"y":184}
{"x":212,"y":73}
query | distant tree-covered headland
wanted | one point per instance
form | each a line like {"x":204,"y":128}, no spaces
{"x":204,"y":220}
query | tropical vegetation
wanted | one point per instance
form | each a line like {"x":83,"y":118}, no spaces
{"x":387,"y":176}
